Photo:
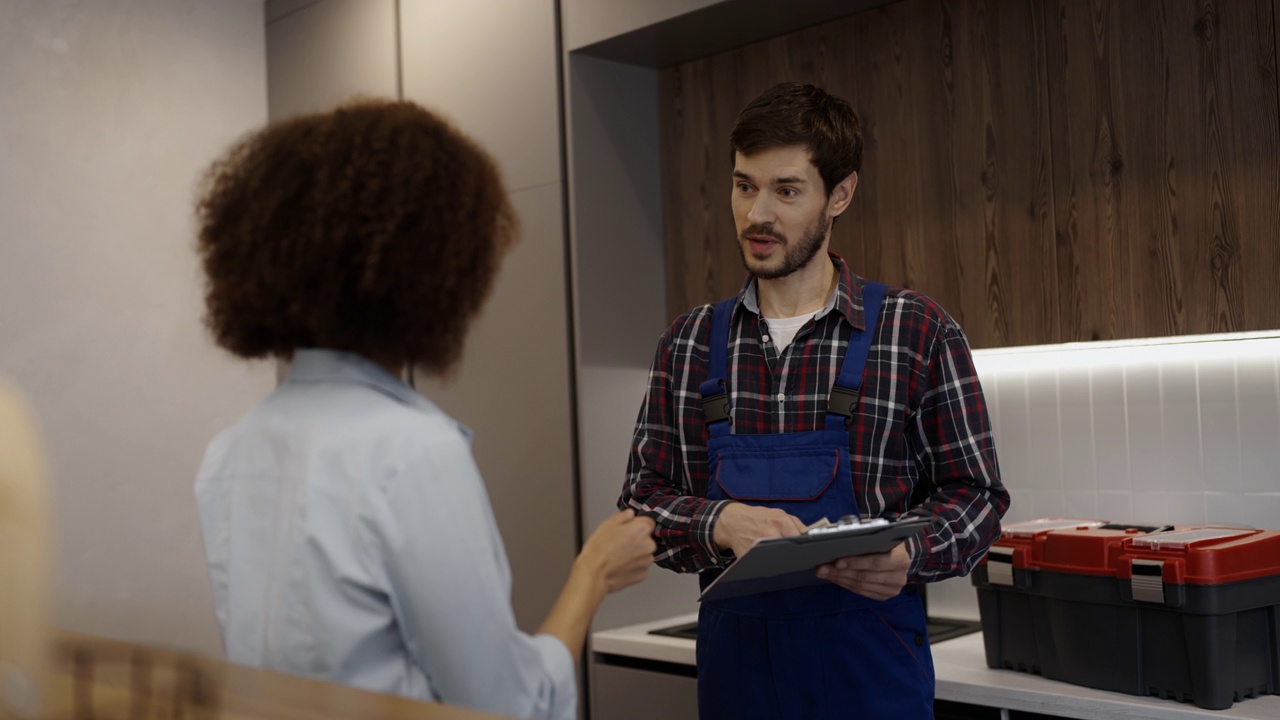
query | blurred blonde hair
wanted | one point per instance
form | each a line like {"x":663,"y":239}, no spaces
{"x":25,"y":559}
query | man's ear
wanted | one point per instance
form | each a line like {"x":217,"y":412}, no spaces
{"x":842,"y":195}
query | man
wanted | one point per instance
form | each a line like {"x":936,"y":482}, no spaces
{"x":903,"y":432}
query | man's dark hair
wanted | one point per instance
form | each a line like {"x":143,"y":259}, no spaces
{"x":375,"y":228}
{"x":799,"y":114}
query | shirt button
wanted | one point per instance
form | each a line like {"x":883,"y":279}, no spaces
{"x":919,"y":640}
{"x":765,"y":338}
{"x":781,"y":397}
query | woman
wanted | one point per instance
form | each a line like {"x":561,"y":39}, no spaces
{"x":347,"y":530}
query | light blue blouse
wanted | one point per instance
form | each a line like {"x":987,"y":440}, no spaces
{"x":349,"y":538}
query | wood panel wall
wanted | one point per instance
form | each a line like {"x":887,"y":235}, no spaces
{"x":1049,"y":172}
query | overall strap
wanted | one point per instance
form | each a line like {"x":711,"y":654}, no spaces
{"x":715,"y":397}
{"x":847,"y":389}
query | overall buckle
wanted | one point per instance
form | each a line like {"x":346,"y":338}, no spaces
{"x":843,"y":401}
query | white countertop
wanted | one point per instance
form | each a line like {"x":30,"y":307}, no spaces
{"x":635,"y":641}
{"x":963,"y":676}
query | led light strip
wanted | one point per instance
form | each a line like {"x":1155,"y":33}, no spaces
{"x":1225,"y":346}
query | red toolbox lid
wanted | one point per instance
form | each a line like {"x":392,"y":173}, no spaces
{"x":1205,"y":555}
{"x":1188,"y":554}
{"x":1071,"y":545}
{"x":1021,"y":544}
{"x":1032,"y":528}
{"x":1088,"y":550}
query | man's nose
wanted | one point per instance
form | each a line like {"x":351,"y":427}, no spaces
{"x":761,"y":211}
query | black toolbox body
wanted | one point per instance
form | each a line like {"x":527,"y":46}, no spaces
{"x":1186,"y":613}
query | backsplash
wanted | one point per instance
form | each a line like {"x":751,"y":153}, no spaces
{"x":1185,"y":430}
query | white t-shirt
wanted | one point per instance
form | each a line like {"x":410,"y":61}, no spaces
{"x":783,"y":330}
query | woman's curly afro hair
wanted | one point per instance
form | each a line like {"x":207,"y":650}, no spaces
{"x":375,"y":228}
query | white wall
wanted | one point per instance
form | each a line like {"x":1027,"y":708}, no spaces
{"x":1170,"y":433}
{"x":1180,"y":431}
{"x":108,"y":113}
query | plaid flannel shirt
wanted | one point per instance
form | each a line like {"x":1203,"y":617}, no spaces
{"x":920,"y":443}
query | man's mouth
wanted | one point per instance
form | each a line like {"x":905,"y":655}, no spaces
{"x":762,"y":244}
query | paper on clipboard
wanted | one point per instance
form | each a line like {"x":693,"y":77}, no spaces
{"x":782,"y":563}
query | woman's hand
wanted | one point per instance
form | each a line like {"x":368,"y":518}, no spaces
{"x":621,"y":550}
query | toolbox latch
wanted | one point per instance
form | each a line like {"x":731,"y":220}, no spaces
{"x":1147,"y":581}
{"x":1000,"y":566}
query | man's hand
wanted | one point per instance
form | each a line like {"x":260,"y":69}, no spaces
{"x":739,"y":525}
{"x":879,"y":577}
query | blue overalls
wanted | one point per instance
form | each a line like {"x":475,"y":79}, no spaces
{"x":813,"y":652}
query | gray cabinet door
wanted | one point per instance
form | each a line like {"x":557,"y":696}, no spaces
{"x":624,"y":693}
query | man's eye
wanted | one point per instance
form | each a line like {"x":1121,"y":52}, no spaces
{"x":788,"y":192}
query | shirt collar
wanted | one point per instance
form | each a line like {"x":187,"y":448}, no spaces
{"x":318,"y":365}
{"x":847,"y":299}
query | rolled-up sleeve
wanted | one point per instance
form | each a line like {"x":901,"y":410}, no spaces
{"x":953,"y":442}
{"x":661,"y":469}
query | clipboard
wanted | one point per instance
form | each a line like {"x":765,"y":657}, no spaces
{"x":790,"y":562}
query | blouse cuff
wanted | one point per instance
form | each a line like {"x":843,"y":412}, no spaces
{"x":563,"y":701}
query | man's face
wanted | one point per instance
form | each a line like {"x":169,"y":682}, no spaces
{"x":780,"y":210}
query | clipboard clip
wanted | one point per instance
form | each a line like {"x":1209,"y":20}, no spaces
{"x":824,"y":525}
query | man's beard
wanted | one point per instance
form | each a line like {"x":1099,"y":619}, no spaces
{"x":794,"y":256}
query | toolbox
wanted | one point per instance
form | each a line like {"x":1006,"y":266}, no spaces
{"x":1186,"y":613}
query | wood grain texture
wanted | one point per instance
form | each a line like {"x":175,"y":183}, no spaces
{"x":955,"y":191}
{"x":1086,"y":163}
{"x":1048,"y":172}
{"x":1257,"y":152}
{"x":1166,"y":166}
{"x":954,"y":195}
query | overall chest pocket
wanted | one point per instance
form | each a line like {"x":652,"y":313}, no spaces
{"x":777,"y":475}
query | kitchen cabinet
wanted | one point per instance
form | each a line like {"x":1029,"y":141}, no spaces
{"x":1047,"y":172}
{"x":635,"y":672}
{"x":642,"y":692}
{"x":1166,"y":167}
